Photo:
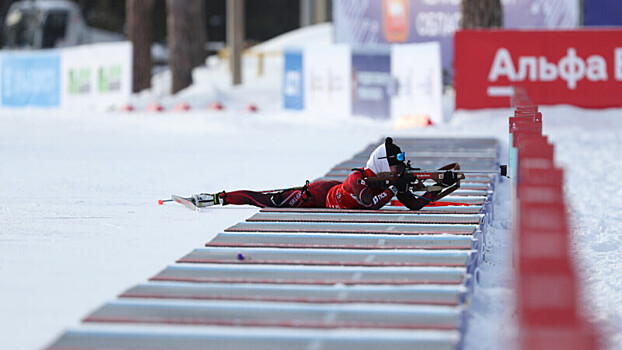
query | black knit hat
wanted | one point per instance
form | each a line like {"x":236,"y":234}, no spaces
{"x":392,"y":151}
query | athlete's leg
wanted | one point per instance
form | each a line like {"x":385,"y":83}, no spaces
{"x":280,"y":199}
{"x":257,"y":199}
{"x":315,"y":196}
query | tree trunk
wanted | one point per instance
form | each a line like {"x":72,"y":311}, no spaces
{"x":139,"y":33}
{"x":198,"y":31}
{"x":482,"y":14}
{"x":235,"y":38}
{"x":186,"y":38}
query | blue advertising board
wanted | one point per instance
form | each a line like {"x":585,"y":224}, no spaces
{"x":31,"y":80}
{"x":372,"y":83}
{"x":602,"y":12}
{"x":293,"y":80}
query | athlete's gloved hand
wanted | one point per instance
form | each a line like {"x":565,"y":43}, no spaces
{"x":400,"y":183}
{"x":449,"y":178}
{"x":393,"y":189}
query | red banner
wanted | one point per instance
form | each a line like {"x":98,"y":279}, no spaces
{"x":576,"y":67}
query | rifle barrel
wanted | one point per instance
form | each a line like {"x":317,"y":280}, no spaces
{"x":502,"y":170}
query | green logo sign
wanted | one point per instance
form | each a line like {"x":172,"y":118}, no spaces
{"x":80,"y":81}
{"x":109,"y":78}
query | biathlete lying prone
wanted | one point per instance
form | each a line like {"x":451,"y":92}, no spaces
{"x":357,"y":191}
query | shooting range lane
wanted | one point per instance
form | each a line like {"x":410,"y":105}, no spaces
{"x":331,"y":257}
{"x":319,"y":278}
{"x":278,"y":314}
{"x":341,"y":227}
{"x":371,"y":294}
{"x":366,"y":218}
{"x":341,"y":241}
{"x":309,"y":274}
{"x":398,"y":210}
{"x":188,"y":337}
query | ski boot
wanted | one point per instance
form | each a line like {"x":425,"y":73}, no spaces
{"x":207,"y":199}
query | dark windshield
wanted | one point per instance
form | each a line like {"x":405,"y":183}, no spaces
{"x":54,"y":29}
{"x":21,"y":25}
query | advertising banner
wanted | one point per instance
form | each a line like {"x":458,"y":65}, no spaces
{"x":96,"y":75}
{"x":417,"y":69}
{"x":373,"y":22}
{"x":579,"y":67}
{"x":293,"y":80}
{"x":543,"y":14}
{"x":391,"y":82}
{"x":90,"y":76}
{"x":30,"y":79}
{"x":602,"y":13}
{"x":373,"y":85}
{"x":327,"y":79}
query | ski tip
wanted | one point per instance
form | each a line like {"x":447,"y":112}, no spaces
{"x":185,"y":202}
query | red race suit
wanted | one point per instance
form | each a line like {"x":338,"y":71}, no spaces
{"x":354,"y":193}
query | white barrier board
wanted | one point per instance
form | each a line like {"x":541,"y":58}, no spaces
{"x":417,"y":68}
{"x":327,"y":79}
{"x":95,"y":76}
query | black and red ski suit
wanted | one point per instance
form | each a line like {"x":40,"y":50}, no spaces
{"x":355,"y":193}
{"x":312,"y":195}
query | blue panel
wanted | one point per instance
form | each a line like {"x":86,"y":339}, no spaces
{"x":293,"y":81}
{"x":31,"y":80}
{"x":602,"y":13}
{"x":372,"y":83}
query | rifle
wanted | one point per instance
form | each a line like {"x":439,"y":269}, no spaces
{"x":445,"y":180}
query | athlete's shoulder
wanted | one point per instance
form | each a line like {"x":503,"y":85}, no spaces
{"x":368,"y":172}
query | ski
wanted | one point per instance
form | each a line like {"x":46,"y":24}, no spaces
{"x":195,"y":202}
{"x":186,"y":202}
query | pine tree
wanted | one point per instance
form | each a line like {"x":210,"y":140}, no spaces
{"x":139,"y":33}
{"x":186,"y":38}
{"x":199,"y":33}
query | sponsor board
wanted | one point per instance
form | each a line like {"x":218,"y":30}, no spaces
{"x":373,"y":22}
{"x":327,"y":75}
{"x":419,"y":81}
{"x":293,"y":80}
{"x":30,"y":79}
{"x":576,"y":67}
{"x":602,"y":13}
{"x":390,"y":82}
{"x":89,"y":76}
{"x":372,"y":83}
{"x":96,"y":75}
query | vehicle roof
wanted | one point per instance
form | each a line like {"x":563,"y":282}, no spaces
{"x":46,"y":5}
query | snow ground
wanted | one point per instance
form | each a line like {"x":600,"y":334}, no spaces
{"x":79,"y":221}
{"x":588,"y":146}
